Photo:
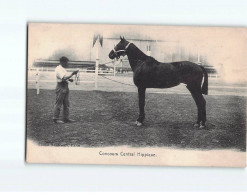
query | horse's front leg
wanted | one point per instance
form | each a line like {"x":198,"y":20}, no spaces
{"x":141,"y":95}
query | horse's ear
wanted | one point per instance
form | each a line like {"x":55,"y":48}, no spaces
{"x":121,"y":38}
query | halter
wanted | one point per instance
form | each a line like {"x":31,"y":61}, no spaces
{"x":122,"y":50}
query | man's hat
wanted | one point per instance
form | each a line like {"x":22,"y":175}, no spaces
{"x":64,"y":59}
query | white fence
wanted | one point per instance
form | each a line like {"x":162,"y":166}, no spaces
{"x":47,"y":75}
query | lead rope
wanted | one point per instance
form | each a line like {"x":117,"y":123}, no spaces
{"x":117,"y":81}
{"x":77,"y":78}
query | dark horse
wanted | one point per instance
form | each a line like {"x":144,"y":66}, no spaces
{"x":149,"y":73}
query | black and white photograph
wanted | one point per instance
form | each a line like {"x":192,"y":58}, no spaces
{"x":136,"y":95}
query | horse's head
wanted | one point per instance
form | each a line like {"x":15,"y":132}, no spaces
{"x":119,"y":49}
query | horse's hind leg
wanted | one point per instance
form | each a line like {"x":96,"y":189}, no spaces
{"x":200,"y":103}
{"x":195,"y":97}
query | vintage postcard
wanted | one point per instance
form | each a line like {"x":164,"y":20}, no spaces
{"x":136,"y":95}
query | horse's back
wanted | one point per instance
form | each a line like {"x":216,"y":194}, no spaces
{"x":188,"y":71}
{"x":186,"y":66}
{"x":153,"y":74}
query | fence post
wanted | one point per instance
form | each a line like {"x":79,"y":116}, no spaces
{"x":98,"y":40}
{"x":114,"y":67}
{"x":37,"y":80}
{"x":96,"y":66}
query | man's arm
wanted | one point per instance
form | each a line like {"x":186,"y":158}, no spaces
{"x":68,"y":77}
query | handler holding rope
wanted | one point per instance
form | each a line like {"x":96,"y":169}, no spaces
{"x":62,"y":91}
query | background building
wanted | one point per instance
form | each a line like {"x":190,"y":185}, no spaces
{"x":163,"y":51}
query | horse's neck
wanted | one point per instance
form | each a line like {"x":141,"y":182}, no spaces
{"x":134,"y":54}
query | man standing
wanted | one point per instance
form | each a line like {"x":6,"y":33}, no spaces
{"x":62,"y":91}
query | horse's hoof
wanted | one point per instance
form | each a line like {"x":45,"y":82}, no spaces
{"x":138,"y":123}
{"x":202,"y":127}
{"x":196,"y":125}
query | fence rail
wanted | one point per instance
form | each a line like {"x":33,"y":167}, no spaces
{"x":35,"y":74}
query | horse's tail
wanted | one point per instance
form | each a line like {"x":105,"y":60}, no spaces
{"x":205,"y":82}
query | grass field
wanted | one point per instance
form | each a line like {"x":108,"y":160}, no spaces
{"x":107,"y":119}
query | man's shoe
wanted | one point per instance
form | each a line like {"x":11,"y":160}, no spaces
{"x":69,"y":120}
{"x":58,"y":121}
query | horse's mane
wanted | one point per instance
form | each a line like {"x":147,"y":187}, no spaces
{"x":151,"y":60}
{"x":142,"y":56}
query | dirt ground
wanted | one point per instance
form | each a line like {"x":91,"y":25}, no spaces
{"x":107,"y":119}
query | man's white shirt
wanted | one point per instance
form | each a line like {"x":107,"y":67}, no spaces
{"x":60,"y":73}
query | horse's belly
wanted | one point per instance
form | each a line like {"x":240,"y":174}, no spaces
{"x":169,"y":84}
{"x":162,"y":83}
{"x":157,"y":78}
